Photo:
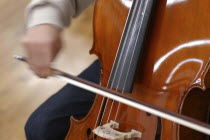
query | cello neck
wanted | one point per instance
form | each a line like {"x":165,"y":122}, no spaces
{"x":131,"y":45}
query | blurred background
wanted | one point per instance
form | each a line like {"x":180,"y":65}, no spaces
{"x":20,"y":91}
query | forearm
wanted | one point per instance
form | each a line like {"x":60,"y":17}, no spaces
{"x":56,"y":12}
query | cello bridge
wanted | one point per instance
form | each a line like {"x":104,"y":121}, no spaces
{"x":107,"y":132}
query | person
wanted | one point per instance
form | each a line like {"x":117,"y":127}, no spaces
{"x":45,"y":20}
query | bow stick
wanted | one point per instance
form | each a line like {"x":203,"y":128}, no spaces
{"x":128,"y":100}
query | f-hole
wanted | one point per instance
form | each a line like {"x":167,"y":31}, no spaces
{"x":200,"y":110}
{"x":88,"y":133}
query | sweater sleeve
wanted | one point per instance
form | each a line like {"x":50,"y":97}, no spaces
{"x":56,"y":12}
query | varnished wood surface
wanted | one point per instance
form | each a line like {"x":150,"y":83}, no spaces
{"x":176,"y":61}
{"x":20,"y":91}
{"x":109,"y":21}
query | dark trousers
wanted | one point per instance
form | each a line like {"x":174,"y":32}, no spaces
{"x":51,"y":120}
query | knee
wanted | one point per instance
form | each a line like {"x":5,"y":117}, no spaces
{"x":43,"y":126}
{"x":35,"y":127}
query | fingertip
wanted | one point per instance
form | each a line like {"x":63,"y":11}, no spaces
{"x":41,"y":73}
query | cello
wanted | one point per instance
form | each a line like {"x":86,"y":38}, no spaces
{"x":171,"y":67}
{"x":162,"y":59}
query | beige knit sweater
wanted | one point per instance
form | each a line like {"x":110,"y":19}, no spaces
{"x":56,"y":12}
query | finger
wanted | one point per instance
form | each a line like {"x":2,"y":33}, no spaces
{"x":43,"y":72}
{"x":40,"y":65}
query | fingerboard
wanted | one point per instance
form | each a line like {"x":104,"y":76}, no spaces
{"x":131,"y":45}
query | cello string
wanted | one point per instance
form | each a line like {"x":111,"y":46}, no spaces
{"x":114,"y":73}
{"x":120,"y":77}
{"x":135,"y":25}
{"x":111,"y":86}
{"x":130,"y":61}
{"x":104,"y":97}
{"x":129,"y":26}
{"x":99,"y":113}
{"x":121,"y":70}
{"x":144,"y":10}
{"x":118,"y":64}
{"x":107,"y":85}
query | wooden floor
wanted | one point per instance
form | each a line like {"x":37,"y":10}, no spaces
{"x":20,"y":91}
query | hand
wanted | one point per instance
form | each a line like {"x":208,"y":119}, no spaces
{"x":42,"y":43}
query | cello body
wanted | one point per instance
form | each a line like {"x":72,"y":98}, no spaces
{"x":172,"y":74}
